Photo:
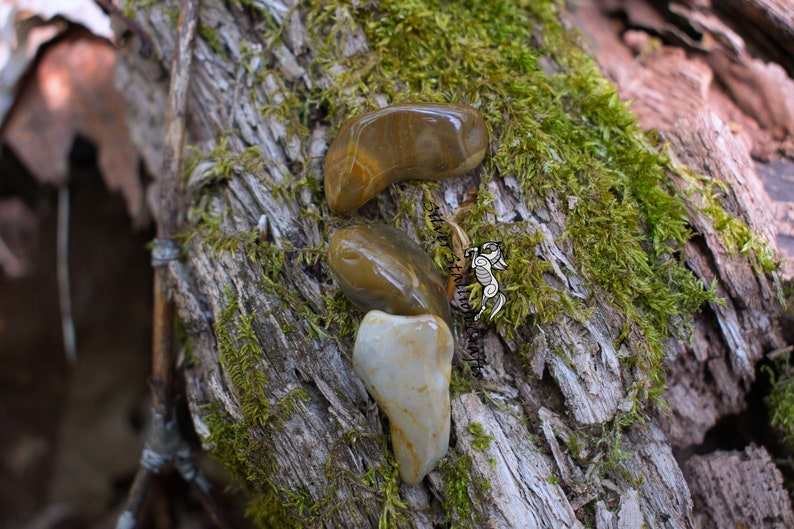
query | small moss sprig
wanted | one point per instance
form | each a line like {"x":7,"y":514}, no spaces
{"x":780,"y":400}
{"x":481,"y":440}
{"x":456,"y":473}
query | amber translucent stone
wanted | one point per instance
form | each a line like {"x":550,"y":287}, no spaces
{"x":426,"y":141}
{"x":380,"y":267}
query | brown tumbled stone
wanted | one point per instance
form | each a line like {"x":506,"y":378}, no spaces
{"x":380,"y":267}
{"x":425,"y":141}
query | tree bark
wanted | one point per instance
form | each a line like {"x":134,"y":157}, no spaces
{"x":720,"y":482}
{"x":679,"y":96}
{"x":320,"y":454}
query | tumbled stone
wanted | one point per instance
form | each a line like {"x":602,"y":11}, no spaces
{"x":424,"y":141}
{"x":405,"y":363}
{"x":380,"y":267}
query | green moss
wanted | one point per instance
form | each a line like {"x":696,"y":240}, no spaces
{"x":531,"y":298}
{"x":709,"y":193}
{"x":246,"y":458}
{"x":182,"y":337}
{"x":564,"y":137}
{"x":394,"y":509}
{"x":456,"y":501}
{"x":130,"y":7}
{"x":241,"y":355}
{"x":379,"y":484}
{"x":456,"y":473}
{"x":286,"y":405}
{"x":270,"y":259}
{"x":210,"y":36}
{"x":341,"y":315}
{"x":242,"y":446}
{"x":481,"y":439}
{"x":292,"y":107}
{"x":780,"y":400}
{"x":576,"y":446}
{"x":227,"y":163}
{"x":172,"y":13}
{"x":299,"y":500}
{"x":461,"y":381}
{"x":558,"y":129}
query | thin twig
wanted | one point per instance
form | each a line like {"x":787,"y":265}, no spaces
{"x":168,"y":219}
{"x":780,"y":352}
{"x":132,"y":508}
{"x":165,"y":445}
{"x":64,"y":295}
{"x":190,"y":472}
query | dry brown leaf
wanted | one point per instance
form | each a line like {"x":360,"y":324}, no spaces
{"x":714,"y":71}
{"x":26,"y":25}
{"x":71,"y":93}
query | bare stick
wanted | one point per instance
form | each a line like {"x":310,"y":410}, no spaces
{"x":166,"y":249}
{"x":164,"y":437}
{"x":129,"y":517}
{"x":64,"y":295}
{"x":190,"y":472}
{"x":173,"y":447}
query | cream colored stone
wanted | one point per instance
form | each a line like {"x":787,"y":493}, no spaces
{"x":405,"y":362}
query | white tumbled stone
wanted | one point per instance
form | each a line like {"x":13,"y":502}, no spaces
{"x":405,"y":363}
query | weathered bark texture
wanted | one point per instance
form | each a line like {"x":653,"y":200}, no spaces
{"x":326,"y":444}
{"x":714,"y":128}
{"x":735,"y":488}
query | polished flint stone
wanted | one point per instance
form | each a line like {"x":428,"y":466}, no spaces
{"x":424,"y":141}
{"x":380,"y":267}
{"x":405,"y":363}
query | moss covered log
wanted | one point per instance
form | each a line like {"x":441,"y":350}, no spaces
{"x":563,"y":422}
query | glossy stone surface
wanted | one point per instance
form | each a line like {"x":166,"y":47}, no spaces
{"x":409,"y":141}
{"x":380,"y":267}
{"x":405,"y":363}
